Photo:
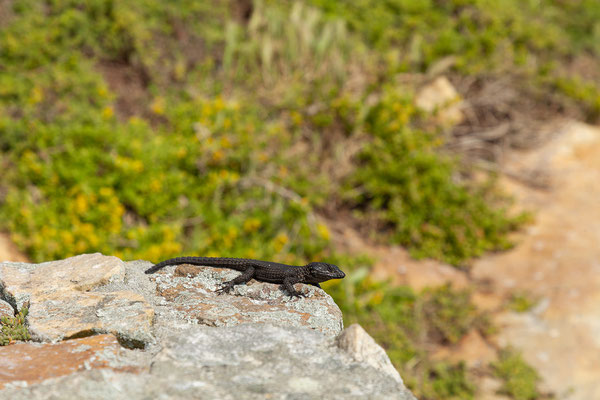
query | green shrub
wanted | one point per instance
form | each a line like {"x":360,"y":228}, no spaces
{"x":13,"y":328}
{"x":408,"y":185}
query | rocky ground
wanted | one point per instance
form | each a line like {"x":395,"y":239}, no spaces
{"x":103,"y":329}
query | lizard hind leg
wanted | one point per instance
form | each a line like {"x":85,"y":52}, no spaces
{"x":243,"y":278}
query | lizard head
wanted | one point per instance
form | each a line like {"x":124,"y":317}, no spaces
{"x":323,"y":272}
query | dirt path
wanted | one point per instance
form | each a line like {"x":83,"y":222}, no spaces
{"x":8,"y":251}
{"x":556,"y":262}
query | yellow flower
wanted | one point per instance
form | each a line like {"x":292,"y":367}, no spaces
{"x":80,"y":205}
{"x":251,"y":224}
{"x":234,"y":176}
{"x":323,"y":231}
{"x":158,"y":105}
{"x":206,"y":110}
{"x":217,"y":156}
{"x":37,"y":95}
{"x":137,"y":166}
{"x":106,"y":191}
{"x":232,"y":232}
{"x":181,"y":153}
{"x":135,"y":121}
{"x":67,"y":238}
{"x":168,"y":234}
{"x":107,"y":112}
{"x":102,"y":92}
{"x":225,"y":142}
{"x":283,"y":171}
{"x":155,"y":185}
{"x":153,"y":253}
{"x":180,"y":69}
{"x":376,"y":299}
{"x":296,"y":117}
{"x":280,"y":240}
{"x":219,"y":103}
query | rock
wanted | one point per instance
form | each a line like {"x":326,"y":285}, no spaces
{"x":24,"y":364}
{"x":441,"y":98}
{"x":64,"y":303}
{"x":191,"y":291}
{"x":363,"y":348}
{"x":249,"y":361}
{"x":6,"y":309}
{"x":294,"y":362}
{"x":188,"y":342}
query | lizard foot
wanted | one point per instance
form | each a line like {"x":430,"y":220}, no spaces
{"x":224,"y":288}
{"x":297,"y":294}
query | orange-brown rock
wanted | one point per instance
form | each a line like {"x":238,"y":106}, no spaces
{"x":29,"y":363}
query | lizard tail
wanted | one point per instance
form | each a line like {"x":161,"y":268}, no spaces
{"x":173,"y":261}
{"x":208,"y":261}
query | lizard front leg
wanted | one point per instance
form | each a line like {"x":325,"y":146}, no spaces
{"x":288,"y":284}
{"x":243,"y":278}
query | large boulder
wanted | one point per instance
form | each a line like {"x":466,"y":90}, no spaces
{"x":104,"y":329}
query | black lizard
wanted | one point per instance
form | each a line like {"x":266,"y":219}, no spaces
{"x":312,"y":273}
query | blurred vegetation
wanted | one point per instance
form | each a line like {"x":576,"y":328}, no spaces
{"x":150,"y":129}
{"x":547,"y":40}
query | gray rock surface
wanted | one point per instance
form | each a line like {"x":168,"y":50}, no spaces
{"x":191,"y":293}
{"x":64,"y":302}
{"x":363,"y":348}
{"x":6,"y":309}
{"x":249,"y":361}
{"x":254,"y":343}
